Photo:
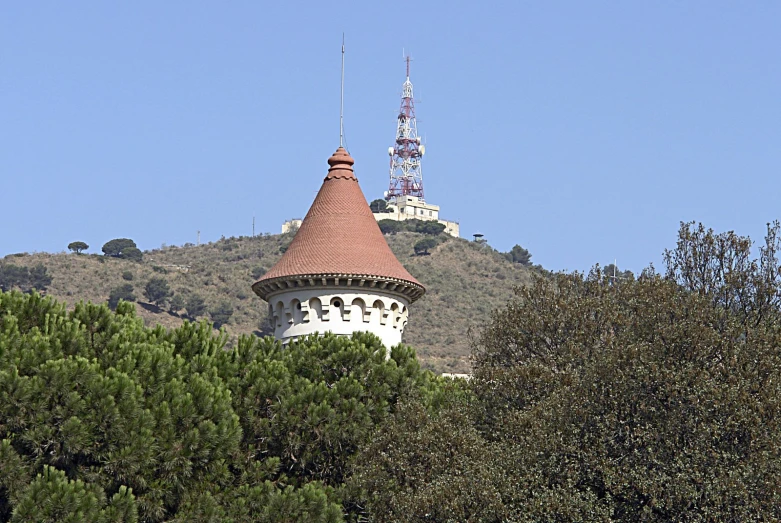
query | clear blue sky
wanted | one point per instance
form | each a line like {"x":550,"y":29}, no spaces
{"x":584,"y":131}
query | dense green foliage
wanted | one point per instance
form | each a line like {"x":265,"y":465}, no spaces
{"x":615,"y":274}
{"x":378,"y":206}
{"x":77,"y":247}
{"x":221,"y":314}
{"x":429,"y":227}
{"x":423,"y":245}
{"x":656,"y":399}
{"x":132,"y":253}
{"x":123,"y":292}
{"x":519,"y":255}
{"x":103,"y":419}
{"x":24,"y":278}
{"x":122,"y":248}
{"x":176,"y":304}
{"x":593,"y":398}
{"x":157,"y":291}
{"x":195,"y":306}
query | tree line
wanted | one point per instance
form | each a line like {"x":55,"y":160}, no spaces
{"x":116,"y":248}
{"x":592,"y":398}
{"x":159,"y":293}
{"x":596,"y":398}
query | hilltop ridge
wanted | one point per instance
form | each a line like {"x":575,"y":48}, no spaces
{"x":465,"y":281}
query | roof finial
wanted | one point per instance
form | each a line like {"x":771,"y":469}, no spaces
{"x":341,"y":102}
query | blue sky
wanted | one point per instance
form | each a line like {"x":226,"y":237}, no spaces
{"x":583,"y":131}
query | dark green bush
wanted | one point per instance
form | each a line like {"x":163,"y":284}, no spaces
{"x":123,"y":292}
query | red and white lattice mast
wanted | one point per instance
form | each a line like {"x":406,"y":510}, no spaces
{"x":406,"y":178}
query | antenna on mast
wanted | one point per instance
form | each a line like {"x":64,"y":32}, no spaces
{"x":341,"y":102}
{"x":407,"y":150}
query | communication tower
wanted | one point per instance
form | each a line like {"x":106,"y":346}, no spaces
{"x":406,"y":178}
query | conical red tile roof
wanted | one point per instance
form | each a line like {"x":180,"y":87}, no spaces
{"x":339,"y":237}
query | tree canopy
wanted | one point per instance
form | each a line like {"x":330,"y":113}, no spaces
{"x":519,"y":255}
{"x":24,"y":278}
{"x":104,"y":419}
{"x":592,"y":398}
{"x":195,"y":306}
{"x":423,"y":245}
{"x":123,"y":292}
{"x":221,"y":314}
{"x":121,"y":248}
{"x":77,"y":247}
{"x":390,"y":226}
{"x":656,"y":399}
{"x":132,"y":253}
{"x":157,"y":291}
{"x":430,"y":227}
{"x":378,"y":206}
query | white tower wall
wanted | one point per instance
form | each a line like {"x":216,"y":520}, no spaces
{"x":304,"y":311}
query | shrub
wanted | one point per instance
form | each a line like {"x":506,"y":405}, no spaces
{"x":422,"y":246}
{"x":12,"y":276}
{"x":23,"y":278}
{"x":194,"y":305}
{"x":157,"y":291}
{"x":519,"y":255}
{"x":390,"y":226}
{"x":428,"y":227}
{"x":177,"y":304}
{"x":221,"y":314}
{"x":133,"y":253}
{"x":123,"y":292}
{"x":127,"y":275}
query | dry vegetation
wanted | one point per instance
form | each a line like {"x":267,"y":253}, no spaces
{"x":465,"y":281}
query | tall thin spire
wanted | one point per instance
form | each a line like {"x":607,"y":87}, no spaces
{"x":341,"y":102}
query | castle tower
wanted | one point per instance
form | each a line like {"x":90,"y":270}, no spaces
{"x":339,"y":274}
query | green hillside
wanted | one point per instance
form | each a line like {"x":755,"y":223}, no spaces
{"x":465,"y":281}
